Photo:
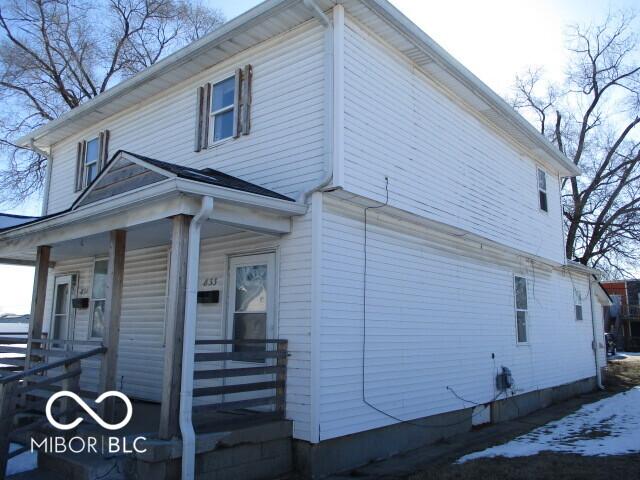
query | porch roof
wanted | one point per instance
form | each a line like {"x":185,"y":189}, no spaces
{"x":133,"y":190}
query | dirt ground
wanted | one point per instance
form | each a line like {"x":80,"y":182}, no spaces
{"x":621,"y":375}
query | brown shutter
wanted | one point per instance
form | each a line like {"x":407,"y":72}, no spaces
{"x":104,"y":150}
{"x":246,"y":99}
{"x":198,"y":137}
{"x":206,"y":115}
{"x":237,"y":118}
{"x":80,"y":166}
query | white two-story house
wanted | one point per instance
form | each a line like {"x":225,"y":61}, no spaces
{"x":320,"y":172}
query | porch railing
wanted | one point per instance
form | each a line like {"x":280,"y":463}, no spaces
{"x":254,"y":370}
{"x":22,"y":391}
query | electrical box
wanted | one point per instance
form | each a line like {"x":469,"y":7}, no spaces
{"x":80,"y":303}
{"x":504,"y":379}
{"x":209,"y":296}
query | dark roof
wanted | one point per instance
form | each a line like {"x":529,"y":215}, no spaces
{"x":205,"y":175}
{"x":210,"y":176}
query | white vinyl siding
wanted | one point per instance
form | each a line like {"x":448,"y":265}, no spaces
{"x":442,"y":161}
{"x":437,"y":310}
{"x":141,"y":346}
{"x":284,"y":150}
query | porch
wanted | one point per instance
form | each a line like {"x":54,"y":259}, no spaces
{"x":236,"y":380}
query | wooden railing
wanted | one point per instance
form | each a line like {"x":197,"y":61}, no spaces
{"x":22,"y":391}
{"x":262,"y":362}
{"x":15,"y":362}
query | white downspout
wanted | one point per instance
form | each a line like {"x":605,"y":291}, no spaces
{"x":189,"y":340}
{"x":595,"y":338}
{"x":334,"y":100}
{"x":47,"y":178}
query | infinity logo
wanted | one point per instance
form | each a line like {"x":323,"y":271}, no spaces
{"x":89,"y":410}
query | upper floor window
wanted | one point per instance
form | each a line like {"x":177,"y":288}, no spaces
{"x":542,"y":190}
{"x":91,"y":159}
{"x":520,"y":293}
{"x":92,"y":156}
{"x":222,"y":109}
{"x":578,"y":302}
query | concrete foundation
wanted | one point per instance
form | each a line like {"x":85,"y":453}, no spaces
{"x":255,"y":453}
{"x":352,"y":451}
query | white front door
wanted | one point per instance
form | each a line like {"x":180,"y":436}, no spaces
{"x":251,"y":313}
{"x":61,"y":318}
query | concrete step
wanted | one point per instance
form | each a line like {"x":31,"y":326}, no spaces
{"x":37,"y":474}
{"x":83,"y":466}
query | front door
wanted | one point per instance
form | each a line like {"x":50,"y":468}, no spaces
{"x":61,"y":316}
{"x":251,"y":312}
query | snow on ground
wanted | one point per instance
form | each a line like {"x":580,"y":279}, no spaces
{"x":22,"y":463}
{"x":608,"y":427}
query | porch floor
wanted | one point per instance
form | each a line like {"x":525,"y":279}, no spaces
{"x":146,"y":417}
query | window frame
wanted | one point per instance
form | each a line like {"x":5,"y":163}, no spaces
{"x":213,"y":113}
{"x":525,"y":311}
{"x":577,"y":302}
{"x":85,"y":170}
{"x":92,"y":300}
{"x":540,"y":190}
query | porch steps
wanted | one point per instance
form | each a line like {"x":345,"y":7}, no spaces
{"x":258,"y":451}
{"x":83,"y":466}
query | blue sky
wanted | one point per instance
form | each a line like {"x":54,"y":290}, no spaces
{"x":495,"y":39}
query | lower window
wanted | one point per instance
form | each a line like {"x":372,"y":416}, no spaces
{"x":520,"y":293}
{"x":98,"y":299}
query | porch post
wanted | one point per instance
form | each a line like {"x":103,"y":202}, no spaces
{"x":177,"y":287}
{"x":37,"y":300}
{"x":112,"y":307}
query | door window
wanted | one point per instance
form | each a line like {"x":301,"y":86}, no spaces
{"x":250,"y":306}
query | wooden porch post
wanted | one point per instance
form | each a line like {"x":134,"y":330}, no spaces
{"x":112,"y":307}
{"x":177,"y":285}
{"x":37,"y":300}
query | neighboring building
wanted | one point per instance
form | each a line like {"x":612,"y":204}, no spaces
{"x":623,"y":317}
{"x":381,"y":209}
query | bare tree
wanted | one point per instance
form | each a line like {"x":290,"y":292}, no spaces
{"x":593,"y":118}
{"x":56,"y":54}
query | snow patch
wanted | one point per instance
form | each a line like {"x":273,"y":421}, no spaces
{"x":608,"y":427}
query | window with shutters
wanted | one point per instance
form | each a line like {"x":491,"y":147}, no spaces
{"x":222,"y":109}
{"x":522,"y":311}
{"x":91,"y":159}
{"x":92,"y":156}
{"x":542,"y":190}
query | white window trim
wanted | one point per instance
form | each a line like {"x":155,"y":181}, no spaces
{"x":527,"y":315}
{"x":85,"y":170}
{"x":577,"y":301}
{"x":92,"y":300}
{"x":213,"y":113}
{"x":545,"y":190}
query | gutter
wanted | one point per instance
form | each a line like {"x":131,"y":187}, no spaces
{"x":189,"y":340}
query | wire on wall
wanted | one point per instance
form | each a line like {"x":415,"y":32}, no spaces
{"x":364,"y":338}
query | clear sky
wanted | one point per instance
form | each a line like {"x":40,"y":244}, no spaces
{"x":495,"y":39}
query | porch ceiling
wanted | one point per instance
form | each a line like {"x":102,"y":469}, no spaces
{"x":150,"y":234}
